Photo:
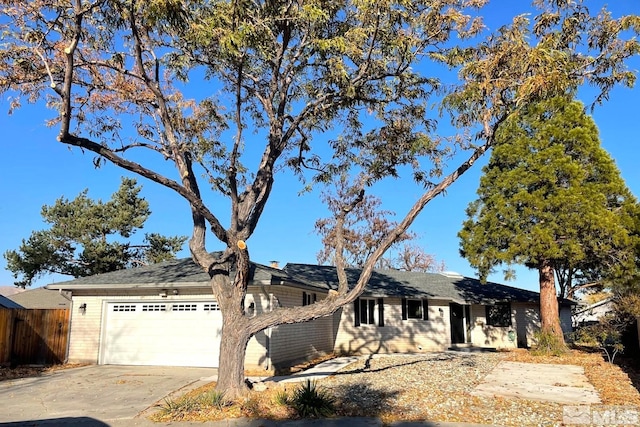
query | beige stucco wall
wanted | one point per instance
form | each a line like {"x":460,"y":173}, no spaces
{"x":397,"y":335}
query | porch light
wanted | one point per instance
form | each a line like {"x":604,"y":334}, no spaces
{"x":441,"y":312}
{"x":83,"y":308}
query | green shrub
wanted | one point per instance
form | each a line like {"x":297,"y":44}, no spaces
{"x":213,"y":398}
{"x":178,"y":406}
{"x":548,"y":344}
{"x":310,"y":401}
{"x":188,"y":403}
{"x":282,"y":398}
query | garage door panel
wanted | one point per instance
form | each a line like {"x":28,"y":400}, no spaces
{"x":171,"y":334}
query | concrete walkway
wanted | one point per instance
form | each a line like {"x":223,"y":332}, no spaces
{"x":565,"y":384}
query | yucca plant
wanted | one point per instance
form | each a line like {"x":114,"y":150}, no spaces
{"x":310,"y":401}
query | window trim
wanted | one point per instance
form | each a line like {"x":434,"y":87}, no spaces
{"x":373,"y":306}
{"x":495,"y":321}
{"x":424,"y":309}
{"x":309,"y":298}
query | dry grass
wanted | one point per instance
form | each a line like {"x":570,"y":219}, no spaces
{"x":426,"y":387}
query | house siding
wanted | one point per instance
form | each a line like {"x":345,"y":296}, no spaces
{"x":483,"y":335}
{"x":397,"y":335}
{"x":527,"y":323}
{"x":566,"y":319}
{"x":269,"y":349}
{"x":298,"y":342}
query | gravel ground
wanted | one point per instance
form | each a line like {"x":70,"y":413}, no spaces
{"x":434,"y":387}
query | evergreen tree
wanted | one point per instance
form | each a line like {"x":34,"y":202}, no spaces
{"x":90,"y":237}
{"x":550,"y":198}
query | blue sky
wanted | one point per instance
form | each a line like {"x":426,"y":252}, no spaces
{"x":36,"y":170}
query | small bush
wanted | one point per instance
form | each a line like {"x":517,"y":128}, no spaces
{"x":310,"y":401}
{"x":183,"y":405}
{"x":178,"y":406}
{"x":548,"y":344}
{"x":213,"y":398}
{"x":282,"y":398}
{"x":605,"y":335}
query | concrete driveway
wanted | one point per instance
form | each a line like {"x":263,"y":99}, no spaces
{"x":93,"y":395}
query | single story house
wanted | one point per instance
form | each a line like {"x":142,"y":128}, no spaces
{"x":165,"y":314}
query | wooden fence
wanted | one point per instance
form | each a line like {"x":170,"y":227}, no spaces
{"x":33,"y":336}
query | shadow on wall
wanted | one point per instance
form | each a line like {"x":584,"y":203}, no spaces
{"x":410,"y":336}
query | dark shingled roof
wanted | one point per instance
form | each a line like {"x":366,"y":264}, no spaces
{"x":394,"y":283}
{"x":176,"y":271}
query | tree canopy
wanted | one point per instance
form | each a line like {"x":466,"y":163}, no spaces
{"x":551,"y":197}
{"x":367,"y":227}
{"x":88,"y":237}
{"x":231,"y":93}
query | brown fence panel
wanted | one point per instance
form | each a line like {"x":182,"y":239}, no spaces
{"x":6,"y":326}
{"x":36,"y":336}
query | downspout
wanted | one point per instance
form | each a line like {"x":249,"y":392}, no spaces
{"x":267,"y":359}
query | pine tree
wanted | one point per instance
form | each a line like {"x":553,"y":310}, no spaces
{"x":89,"y":237}
{"x":550,"y":198}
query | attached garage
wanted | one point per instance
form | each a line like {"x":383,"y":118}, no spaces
{"x":167,"y":333}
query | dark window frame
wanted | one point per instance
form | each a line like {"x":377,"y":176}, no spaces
{"x":409,"y":313}
{"x":309,"y":298}
{"x":499,"y":314}
{"x":364,"y":310}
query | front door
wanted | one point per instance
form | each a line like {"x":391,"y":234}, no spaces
{"x":456,"y":316}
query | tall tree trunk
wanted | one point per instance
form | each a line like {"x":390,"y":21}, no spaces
{"x":233,"y":345}
{"x":235,"y":331}
{"x":549,"y":313}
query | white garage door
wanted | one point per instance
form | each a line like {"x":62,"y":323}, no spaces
{"x":165,"y":334}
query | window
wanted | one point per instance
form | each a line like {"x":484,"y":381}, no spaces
{"x":184,"y":307}
{"x":212,"y":307}
{"x":415,"y":309}
{"x":154,"y":307}
{"x":124,"y":307}
{"x":308,"y":299}
{"x":499,"y":314}
{"x":365,"y":311}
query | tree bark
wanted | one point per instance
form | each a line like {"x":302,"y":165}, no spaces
{"x":233,"y":345}
{"x":549,"y":312}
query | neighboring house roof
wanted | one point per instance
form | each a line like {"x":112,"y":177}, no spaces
{"x":10,"y":290}
{"x":593,"y":312}
{"x":7,"y":303}
{"x":395,"y":283}
{"x":41,"y":298}
{"x":179,"y":273}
